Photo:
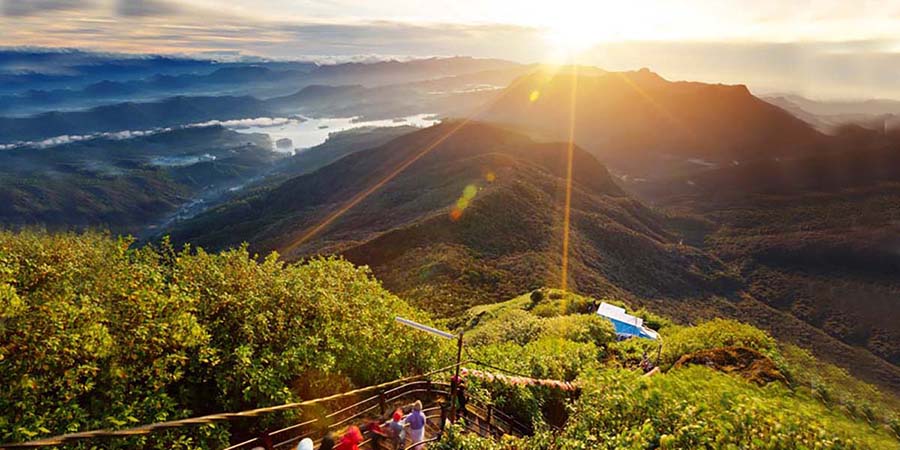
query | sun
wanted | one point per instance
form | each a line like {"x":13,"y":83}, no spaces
{"x":571,"y":40}
{"x":572,"y":27}
{"x":576,"y":27}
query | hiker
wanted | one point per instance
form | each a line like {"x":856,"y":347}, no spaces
{"x":377,"y":432}
{"x":646,"y":365}
{"x":327,"y":442}
{"x":351,"y":440}
{"x":305,"y":444}
{"x":416,"y":421}
{"x":460,"y":401}
{"x":396,"y":430}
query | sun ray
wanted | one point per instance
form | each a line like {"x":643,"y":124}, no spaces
{"x":567,"y":209}
{"x":356,"y":199}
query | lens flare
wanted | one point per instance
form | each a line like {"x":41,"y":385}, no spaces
{"x":534,"y":96}
{"x":463,"y":201}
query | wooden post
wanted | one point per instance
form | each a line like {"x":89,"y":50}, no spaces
{"x":382,"y":403}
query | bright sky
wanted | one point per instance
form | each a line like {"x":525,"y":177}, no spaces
{"x":819,"y":47}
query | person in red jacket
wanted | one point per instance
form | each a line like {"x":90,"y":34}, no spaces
{"x":351,"y":440}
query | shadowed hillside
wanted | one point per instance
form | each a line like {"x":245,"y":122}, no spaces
{"x":470,"y":222}
{"x":813,"y":236}
{"x":507,"y":235}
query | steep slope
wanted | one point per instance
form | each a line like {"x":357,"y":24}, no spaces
{"x":814,"y":237}
{"x":508,"y":194}
{"x":642,"y":125}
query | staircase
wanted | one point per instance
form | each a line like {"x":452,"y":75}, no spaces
{"x":484,"y":421}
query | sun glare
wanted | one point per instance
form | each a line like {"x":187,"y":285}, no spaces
{"x":571,"y":39}
{"x":572,"y":27}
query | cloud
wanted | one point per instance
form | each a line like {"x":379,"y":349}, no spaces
{"x":130,"y":134}
{"x":849,"y":69}
{"x":841,"y":67}
{"x":73,"y":138}
{"x":245,"y":123}
{"x":19,"y":8}
{"x":146,"y":8}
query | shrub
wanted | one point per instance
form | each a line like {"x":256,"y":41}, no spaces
{"x":832,"y":384}
{"x":512,"y":326}
{"x":697,"y":407}
{"x":536,"y":297}
{"x":629,"y":352}
{"x":98,"y":335}
{"x":681,"y":340}
{"x":581,"y":328}
{"x":456,"y":438}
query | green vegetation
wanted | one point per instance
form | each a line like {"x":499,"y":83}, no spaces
{"x":716,"y":333}
{"x":700,"y":408}
{"x":98,"y":335}
{"x":821,"y":406}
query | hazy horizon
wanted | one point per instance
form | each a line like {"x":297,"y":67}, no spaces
{"x":820,"y":49}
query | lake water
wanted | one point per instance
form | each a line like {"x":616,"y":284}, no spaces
{"x":312,"y":132}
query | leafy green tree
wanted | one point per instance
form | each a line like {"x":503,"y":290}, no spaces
{"x":97,"y":334}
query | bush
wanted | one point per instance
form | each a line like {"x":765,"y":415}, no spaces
{"x":512,"y":326}
{"x":834,"y":385}
{"x":629,"y":352}
{"x":581,"y":328}
{"x":98,"y":335}
{"x":681,"y":340}
{"x":536,"y":297}
{"x":456,"y":438}
{"x":697,"y":407}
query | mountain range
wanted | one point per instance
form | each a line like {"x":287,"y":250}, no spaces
{"x":693,"y":200}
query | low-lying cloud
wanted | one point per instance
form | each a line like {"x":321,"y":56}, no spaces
{"x":130,"y":134}
{"x":247,"y":123}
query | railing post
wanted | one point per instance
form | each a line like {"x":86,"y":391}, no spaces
{"x":489,"y":418}
{"x":428,"y":389}
{"x":382,"y":403}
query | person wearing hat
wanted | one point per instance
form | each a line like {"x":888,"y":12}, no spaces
{"x":416,"y":421}
{"x":396,"y":431}
{"x":305,"y":444}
